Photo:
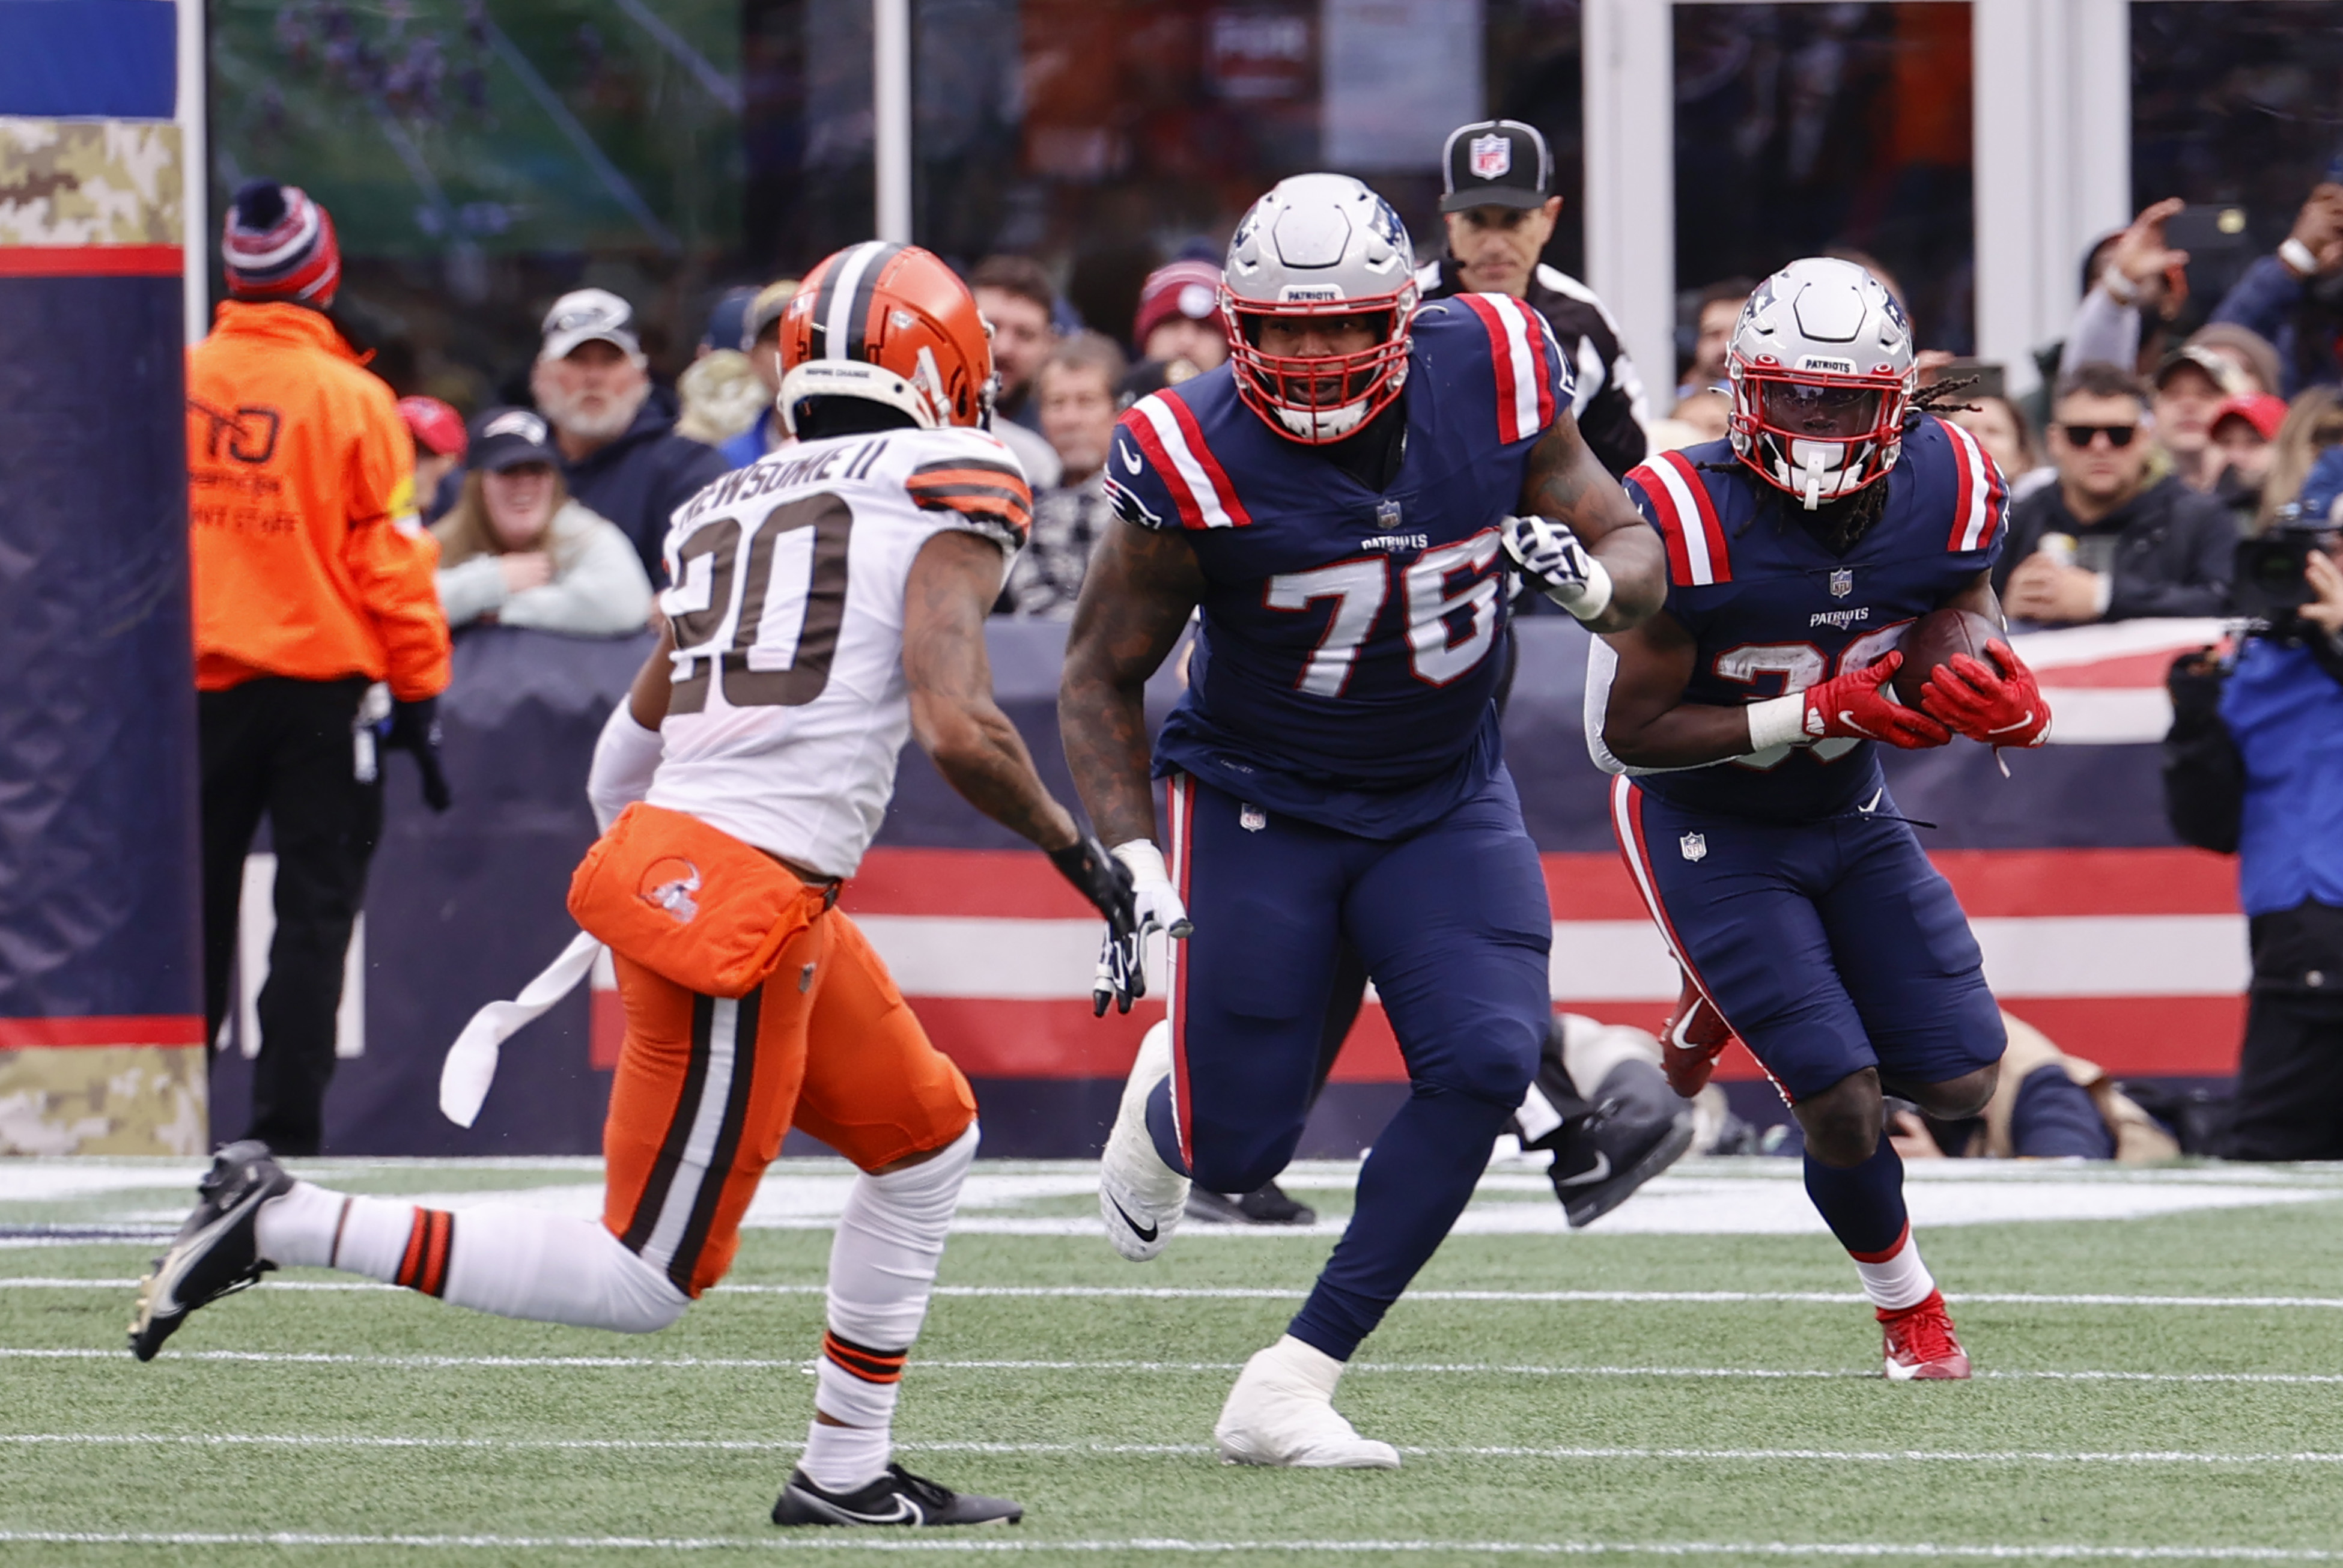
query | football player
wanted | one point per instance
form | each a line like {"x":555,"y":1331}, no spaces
{"x":828,"y":601}
{"x":1339,"y":502}
{"x":1745,"y":722}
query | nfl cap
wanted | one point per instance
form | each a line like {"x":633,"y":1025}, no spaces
{"x":507,"y":438}
{"x":1494,"y":163}
{"x":588,"y":315}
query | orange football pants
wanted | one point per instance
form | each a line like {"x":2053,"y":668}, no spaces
{"x":708,"y":1086}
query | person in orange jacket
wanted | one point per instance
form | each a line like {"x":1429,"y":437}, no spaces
{"x":313,"y":587}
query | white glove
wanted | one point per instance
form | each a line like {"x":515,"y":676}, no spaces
{"x":1550,"y":556}
{"x":1155,"y":907}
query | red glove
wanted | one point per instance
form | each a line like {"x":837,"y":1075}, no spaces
{"x":1850,"y":705}
{"x":1998,"y":705}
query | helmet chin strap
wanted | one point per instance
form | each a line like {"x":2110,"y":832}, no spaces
{"x":1814,"y":475}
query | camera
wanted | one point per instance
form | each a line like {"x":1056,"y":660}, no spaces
{"x":2269,"y":585}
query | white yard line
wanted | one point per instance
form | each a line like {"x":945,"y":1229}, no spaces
{"x":805,"y":1365}
{"x":1078,"y":1450}
{"x":1178,"y":1546}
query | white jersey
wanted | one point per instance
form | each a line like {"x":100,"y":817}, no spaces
{"x":788,"y":704}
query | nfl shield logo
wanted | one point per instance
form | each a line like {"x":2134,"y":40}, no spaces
{"x":1492,"y":156}
{"x":1842,"y":581}
{"x":1386,"y":515}
{"x":1694,"y":846}
{"x":1251,"y":817}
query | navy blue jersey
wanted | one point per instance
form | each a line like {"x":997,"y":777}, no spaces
{"x":1343,"y":670}
{"x":1772,"y":610}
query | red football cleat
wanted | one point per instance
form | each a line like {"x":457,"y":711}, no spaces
{"x":1690,"y":1039}
{"x":1920,"y":1342}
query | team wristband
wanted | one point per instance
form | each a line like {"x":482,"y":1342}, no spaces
{"x":2299,"y":257}
{"x":1592,"y":597}
{"x":1777,"y":721}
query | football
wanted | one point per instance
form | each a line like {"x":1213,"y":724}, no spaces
{"x":1932,"y":641}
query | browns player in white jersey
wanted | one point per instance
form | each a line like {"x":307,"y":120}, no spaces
{"x":828,"y":601}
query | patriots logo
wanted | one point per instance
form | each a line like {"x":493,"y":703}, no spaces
{"x":1129,"y":507}
{"x":1492,"y":156}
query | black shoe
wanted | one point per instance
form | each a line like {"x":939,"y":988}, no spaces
{"x":1265,"y":1205}
{"x":215,"y":1252}
{"x":898,"y":1497}
{"x":1636,"y":1131}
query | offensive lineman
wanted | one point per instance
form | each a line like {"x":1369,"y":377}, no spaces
{"x":828,"y":600}
{"x":1742,"y":717}
{"x":1337,"y":500}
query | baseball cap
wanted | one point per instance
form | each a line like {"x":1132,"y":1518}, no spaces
{"x":440,"y":427}
{"x":507,"y":438}
{"x":588,"y":315}
{"x":2225,"y":374}
{"x":1189,"y":289}
{"x":1494,"y":163}
{"x":765,"y":310}
{"x":2259,"y":409}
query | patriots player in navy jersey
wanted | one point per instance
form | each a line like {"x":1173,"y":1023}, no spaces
{"x":1745,"y":719}
{"x":1339,"y":502}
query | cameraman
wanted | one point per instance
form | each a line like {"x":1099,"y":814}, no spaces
{"x":2255,"y":764}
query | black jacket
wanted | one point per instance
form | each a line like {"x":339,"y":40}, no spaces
{"x":639,"y":479}
{"x":1609,"y":396}
{"x":2173,"y":550}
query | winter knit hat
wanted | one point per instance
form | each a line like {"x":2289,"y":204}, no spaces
{"x":1184,"y":287}
{"x":277,"y":243}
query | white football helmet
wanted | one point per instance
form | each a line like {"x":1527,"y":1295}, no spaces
{"x":1319,"y":247}
{"x":1822,"y":371}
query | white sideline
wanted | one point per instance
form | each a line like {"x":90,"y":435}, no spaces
{"x":1234,"y":1293}
{"x":805,"y":1365}
{"x":1081,"y":1450}
{"x":2012,"y":1551}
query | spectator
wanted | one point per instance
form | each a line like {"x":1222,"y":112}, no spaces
{"x":760,"y":340}
{"x":1179,"y":316}
{"x":1076,"y":394}
{"x":2252,"y":765}
{"x":2130,"y":278}
{"x":2294,"y":298}
{"x":2313,"y":422}
{"x":2244,"y":432}
{"x":1015,"y":294}
{"x":620,"y":456}
{"x":1715,"y":310}
{"x":2189,"y":386}
{"x":517,"y":550}
{"x":312,"y":584}
{"x":1499,"y":210}
{"x":2249,"y":354}
{"x":2107,"y":542}
{"x":1707,"y":411}
{"x":2001,"y":428}
{"x":721,"y":394}
{"x":440,"y":440}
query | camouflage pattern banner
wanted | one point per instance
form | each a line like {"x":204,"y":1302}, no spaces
{"x":107,"y":1099}
{"x":90,"y":182}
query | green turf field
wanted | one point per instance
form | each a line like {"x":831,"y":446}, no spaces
{"x":2167,"y":1385}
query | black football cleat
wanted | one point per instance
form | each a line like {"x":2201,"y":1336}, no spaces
{"x":215,"y":1252}
{"x":1267,"y":1204}
{"x":1637,"y":1130}
{"x":898,"y":1497}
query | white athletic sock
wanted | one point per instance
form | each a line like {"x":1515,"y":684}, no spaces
{"x":882,"y":1266}
{"x":1898,"y":1279}
{"x":515,"y":1262}
{"x":844,"y":1458}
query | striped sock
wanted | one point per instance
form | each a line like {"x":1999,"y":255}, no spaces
{"x":423,"y":1266}
{"x":857,"y":1384}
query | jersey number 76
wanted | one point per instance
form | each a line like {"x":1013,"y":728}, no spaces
{"x":1359,"y":589}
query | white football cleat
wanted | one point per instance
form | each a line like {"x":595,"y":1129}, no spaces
{"x":1141,"y":1198}
{"x":1282,"y":1411}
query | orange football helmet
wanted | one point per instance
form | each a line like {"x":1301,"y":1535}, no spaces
{"x":892,"y":324}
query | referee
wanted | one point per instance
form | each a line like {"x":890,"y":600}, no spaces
{"x":313,"y":583}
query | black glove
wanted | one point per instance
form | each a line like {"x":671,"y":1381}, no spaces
{"x":1105,"y":882}
{"x":415,"y":727}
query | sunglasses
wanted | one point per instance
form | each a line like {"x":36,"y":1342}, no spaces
{"x":2118,"y":436}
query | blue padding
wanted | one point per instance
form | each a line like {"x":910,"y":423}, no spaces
{"x":89,"y":59}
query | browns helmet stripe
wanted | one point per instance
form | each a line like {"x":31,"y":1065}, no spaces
{"x":841,"y":313}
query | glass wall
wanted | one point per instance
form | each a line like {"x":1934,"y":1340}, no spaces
{"x":1801,"y":128}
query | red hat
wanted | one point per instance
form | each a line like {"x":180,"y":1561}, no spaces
{"x":1189,"y":289}
{"x":437,"y":427}
{"x":2264,"y":412}
{"x":277,"y":243}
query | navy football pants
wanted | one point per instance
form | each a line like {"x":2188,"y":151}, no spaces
{"x":1829,"y":946}
{"x":1453,"y":925}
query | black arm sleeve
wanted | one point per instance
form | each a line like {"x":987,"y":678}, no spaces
{"x":2204,"y":777}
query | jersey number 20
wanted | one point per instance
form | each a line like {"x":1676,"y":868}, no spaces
{"x":775,"y":644}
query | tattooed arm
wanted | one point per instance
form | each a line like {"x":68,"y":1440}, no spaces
{"x":1567,"y":485}
{"x":1139,"y":590}
{"x":953,"y":582}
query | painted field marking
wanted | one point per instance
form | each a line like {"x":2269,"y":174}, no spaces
{"x":1113,"y":1450}
{"x":2009,"y":1551}
{"x":806,"y":1365}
